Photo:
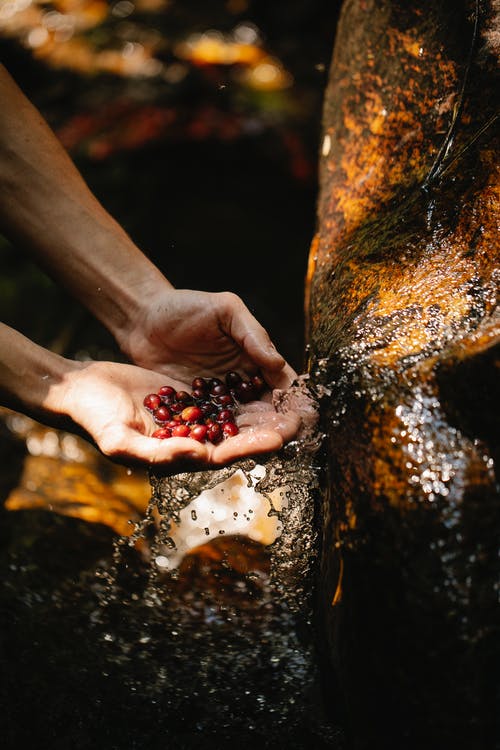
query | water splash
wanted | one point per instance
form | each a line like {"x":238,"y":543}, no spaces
{"x":220,"y":574}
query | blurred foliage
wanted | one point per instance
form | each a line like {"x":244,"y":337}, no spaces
{"x":197,"y":125}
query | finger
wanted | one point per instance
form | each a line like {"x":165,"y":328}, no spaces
{"x":287,"y":425}
{"x":247,"y":444}
{"x":253,"y":338}
{"x":281,"y":379}
{"x":133,"y":445}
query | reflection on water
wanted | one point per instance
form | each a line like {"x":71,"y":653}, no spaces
{"x":132,"y":640}
{"x":231,"y":507}
{"x":65,"y":474}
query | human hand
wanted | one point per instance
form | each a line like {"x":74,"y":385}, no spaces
{"x":184,"y":333}
{"x":105,"y":399}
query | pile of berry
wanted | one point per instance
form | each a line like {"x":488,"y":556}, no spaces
{"x":208,"y":413}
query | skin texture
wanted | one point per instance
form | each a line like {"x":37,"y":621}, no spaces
{"x":404,"y":330}
{"x":171,"y":335}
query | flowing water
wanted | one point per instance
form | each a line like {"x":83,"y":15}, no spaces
{"x":196,"y":628}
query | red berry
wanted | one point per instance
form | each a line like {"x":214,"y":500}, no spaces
{"x":224,"y":400}
{"x":245,"y":392}
{"x":225,"y":415}
{"x":213,"y":382}
{"x":199,"y":394}
{"x":183,"y":397}
{"x":162,"y":414}
{"x":233,"y":379}
{"x":218,"y":390}
{"x":181,"y":430}
{"x":152,"y":401}
{"x":162,"y":433}
{"x":191,"y":414}
{"x":258,"y":383}
{"x":177,"y":407}
{"x":167,"y":390}
{"x":214,"y":433}
{"x":199,"y":384}
{"x":173,"y":422}
{"x":198,"y":432}
{"x":229,"y":429}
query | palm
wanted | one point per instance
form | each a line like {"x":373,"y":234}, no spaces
{"x":106,"y":400}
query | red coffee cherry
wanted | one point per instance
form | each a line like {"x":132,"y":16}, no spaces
{"x":199,"y":432}
{"x":183,"y":397}
{"x":199,"y":394}
{"x":225,"y":415}
{"x":226,"y":400}
{"x":208,"y":412}
{"x":218,"y":390}
{"x":214,"y":433}
{"x":213,"y":382}
{"x":162,"y":414}
{"x":181,"y":430}
{"x":233,"y":379}
{"x":245,"y":392}
{"x":229,"y":429}
{"x":191,"y":414}
{"x":200,"y":384}
{"x":258,"y":383}
{"x":166,"y":390}
{"x":152,"y":401}
{"x":162,"y":433}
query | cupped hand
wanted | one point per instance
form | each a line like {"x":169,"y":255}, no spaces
{"x":105,"y":400}
{"x":184,"y":333}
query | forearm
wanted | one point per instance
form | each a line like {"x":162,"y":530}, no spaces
{"x":33,"y":380}
{"x":46,"y":207}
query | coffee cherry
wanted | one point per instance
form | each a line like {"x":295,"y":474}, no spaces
{"x":152,"y":401}
{"x":181,"y":430}
{"x":167,"y":390}
{"x":183,"y":397}
{"x":225,"y":415}
{"x":208,"y":412}
{"x":199,"y":384}
{"x":191,"y":414}
{"x":229,"y":429}
{"x":258,"y":383}
{"x":214,"y":433}
{"x":162,"y":414}
{"x":245,"y":392}
{"x":226,"y":400}
{"x":218,"y":390}
{"x":213,"y":382}
{"x":233,"y":379}
{"x":199,"y":394}
{"x":199,"y":432}
{"x":162,"y":433}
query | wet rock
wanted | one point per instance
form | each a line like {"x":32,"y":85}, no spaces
{"x":403,"y":332}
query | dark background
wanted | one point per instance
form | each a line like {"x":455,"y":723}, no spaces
{"x":222,"y":196}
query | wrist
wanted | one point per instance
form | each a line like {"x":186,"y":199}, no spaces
{"x":148,"y":297}
{"x":33,"y":379}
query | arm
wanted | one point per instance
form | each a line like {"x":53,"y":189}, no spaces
{"x":103,"y":401}
{"x":47,"y":208}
